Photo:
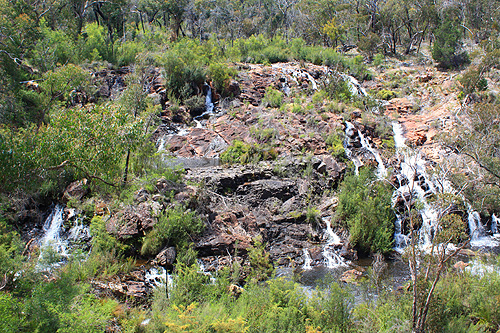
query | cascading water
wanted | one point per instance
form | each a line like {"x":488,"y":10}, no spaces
{"x":55,"y":243}
{"x":52,"y":236}
{"x":478,"y":234}
{"x":494,"y":225}
{"x":354,"y":85}
{"x":307,"y":260}
{"x":209,"y":104}
{"x":351,"y":131}
{"x":413,"y":181}
{"x":332,"y":258}
{"x":381,"y":170}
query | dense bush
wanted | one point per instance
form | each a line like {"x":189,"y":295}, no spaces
{"x":446,"y":47}
{"x":240,"y":152}
{"x":174,"y":227}
{"x":365,"y":208}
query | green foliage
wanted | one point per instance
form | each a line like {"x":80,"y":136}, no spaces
{"x":261,"y":267}
{"x":446,"y":46}
{"x":240,"y":152}
{"x":338,"y":89}
{"x":365,"y":207}
{"x":189,"y":285}
{"x":174,"y":227}
{"x":94,"y":43}
{"x":11,"y":314}
{"x":319,"y":97}
{"x":221,"y":75}
{"x":391,"y":313}
{"x":378,"y":59}
{"x":473,"y":80}
{"x":336,"y":146}
{"x":102,"y":241}
{"x":87,"y":314}
{"x":273,"y":98}
{"x":77,"y":143}
{"x":263,"y":135}
{"x":11,"y":247}
{"x":183,"y":69}
{"x":386,"y":94}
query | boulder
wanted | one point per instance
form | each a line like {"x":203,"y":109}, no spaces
{"x":166,"y":257}
{"x":76,"y":190}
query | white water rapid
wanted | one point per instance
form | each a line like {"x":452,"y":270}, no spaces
{"x":351,"y":131}
{"x":414,"y":181}
{"x":307,"y":260}
{"x":332,"y":258}
{"x":56,"y":243}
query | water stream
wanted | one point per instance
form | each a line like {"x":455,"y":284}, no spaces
{"x":333,"y":259}
{"x":57,"y":242}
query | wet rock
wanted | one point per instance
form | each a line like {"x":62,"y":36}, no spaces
{"x":166,"y":257}
{"x":141,"y":195}
{"x":351,"y":276}
{"x":233,"y":89}
{"x":134,"y":221}
{"x":76,"y":190}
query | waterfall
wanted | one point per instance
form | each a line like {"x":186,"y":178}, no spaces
{"x":312,"y":80}
{"x":478,"y":235}
{"x":209,"y":105}
{"x":494,"y":224}
{"x":55,"y":244}
{"x":414,"y":181}
{"x":381,"y":170}
{"x":52,"y":236}
{"x":332,"y":258}
{"x":350,"y":132}
{"x":354,"y":85}
{"x":307,"y":260}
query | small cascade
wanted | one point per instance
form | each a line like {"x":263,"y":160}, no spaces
{"x":476,"y":228}
{"x":478,"y":234}
{"x":307,"y":260}
{"x":158,"y":277}
{"x":79,"y":232}
{"x":209,"y":104}
{"x":52,"y":236}
{"x":204,"y":271}
{"x":494,"y":225}
{"x":354,"y":86}
{"x":332,"y":258}
{"x":56,"y":243}
{"x":413,"y":181}
{"x":381,"y":170}
{"x":312,"y":80}
{"x":351,"y":132}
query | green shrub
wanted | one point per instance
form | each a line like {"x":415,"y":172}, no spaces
{"x":337,"y":88}
{"x":273,"y":98}
{"x":335,"y":145}
{"x":102,"y":241}
{"x":447,"y":45}
{"x":87,"y":314}
{"x":261,"y":267}
{"x":221,"y":75}
{"x":386,"y":94}
{"x":174,"y":227}
{"x":240,"y":152}
{"x":11,"y":312}
{"x":365,"y":207}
